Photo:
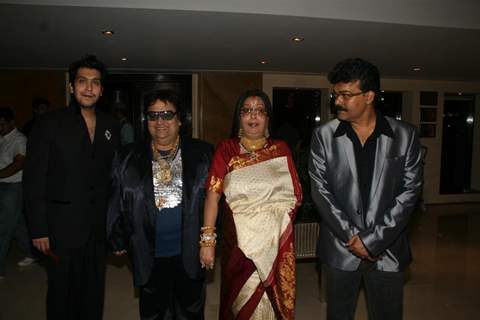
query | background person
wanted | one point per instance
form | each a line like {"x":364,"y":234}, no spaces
{"x":127,"y":133}
{"x":39,"y":106}
{"x":12,"y":157}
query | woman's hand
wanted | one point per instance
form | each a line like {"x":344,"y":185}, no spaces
{"x":207,"y":257}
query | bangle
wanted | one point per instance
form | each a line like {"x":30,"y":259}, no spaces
{"x":208,"y":236}
{"x":208,"y":239}
{"x":207,"y":228}
{"x":207,"y":243}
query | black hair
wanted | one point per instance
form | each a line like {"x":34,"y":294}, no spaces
{"x":241,"y":100}
{"x":7,"y":114}
{"x":169,"y":96}
{"x":39,"y":101}
{"x":90,"y":62}
{"x":353,"y":69}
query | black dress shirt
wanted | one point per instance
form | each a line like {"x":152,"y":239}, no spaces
{"x":365,"y":155}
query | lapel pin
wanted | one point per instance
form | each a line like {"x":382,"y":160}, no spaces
{"x":108,"y":135}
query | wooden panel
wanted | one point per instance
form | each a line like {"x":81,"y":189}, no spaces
{"x":20,"y":87}
{"x":219,"y":92}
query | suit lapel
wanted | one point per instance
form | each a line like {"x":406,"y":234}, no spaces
{"x":187,"y":173}
{"x":347,"y":146}
{"x":383,"y":146}
{"x":145,"y":166}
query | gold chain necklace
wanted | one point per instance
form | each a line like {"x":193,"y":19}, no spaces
{"x":162,"y":170}
{"x":252,"y":145}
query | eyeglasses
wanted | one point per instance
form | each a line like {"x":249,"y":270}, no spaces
{"x":252,"y":111}
{"x":345,"y":95}
{"x":164,"y":115}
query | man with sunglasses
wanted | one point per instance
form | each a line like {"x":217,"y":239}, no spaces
{"x":66,"y":184}
{"x":366,"y":173}
{"x":156,"y":211}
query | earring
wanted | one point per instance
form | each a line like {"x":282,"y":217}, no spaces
{"x":240,"y":132}
{"x":267,"y":133}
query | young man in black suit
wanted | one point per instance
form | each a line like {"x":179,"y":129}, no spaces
{"x":66,"y":186}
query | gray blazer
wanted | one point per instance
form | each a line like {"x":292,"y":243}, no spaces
{"x":397,"y":180}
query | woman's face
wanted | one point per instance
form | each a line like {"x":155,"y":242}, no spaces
{"x":253,"y":118}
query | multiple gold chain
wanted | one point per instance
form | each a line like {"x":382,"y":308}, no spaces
{"x":162,"y":171}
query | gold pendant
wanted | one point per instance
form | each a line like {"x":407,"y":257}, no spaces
{"x":160,"y":202}
{"x":164,"y":173}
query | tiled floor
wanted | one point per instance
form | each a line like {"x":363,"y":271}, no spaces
{"x":443,"y":282}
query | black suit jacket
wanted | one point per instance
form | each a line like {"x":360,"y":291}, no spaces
{"x":397,"y":180}
{"x":66,"y":177}
{"x":132,"y":210}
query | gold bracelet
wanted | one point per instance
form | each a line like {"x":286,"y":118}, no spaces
{"x":208,"y":236}
{"x":207,"y":228}
{"x":207,"y":243}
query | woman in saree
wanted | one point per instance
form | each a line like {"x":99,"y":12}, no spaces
{"x":262,"y":192}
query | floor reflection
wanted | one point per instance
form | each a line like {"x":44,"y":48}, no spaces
{"x":442,"y":282}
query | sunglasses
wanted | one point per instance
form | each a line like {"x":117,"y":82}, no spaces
{"x":164,"y":115}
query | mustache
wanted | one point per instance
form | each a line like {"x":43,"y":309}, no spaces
{"x":340,"y":108}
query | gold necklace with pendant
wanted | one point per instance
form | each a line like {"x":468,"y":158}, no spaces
{"x":162,"y":170}
{"x":251,"y":146}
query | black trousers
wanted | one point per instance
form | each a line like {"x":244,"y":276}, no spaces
{"x":171,"y":294}
{"x":384,"y":292}
{"x":76,"y":282}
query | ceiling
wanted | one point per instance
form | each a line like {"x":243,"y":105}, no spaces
{"x":440,"y":36}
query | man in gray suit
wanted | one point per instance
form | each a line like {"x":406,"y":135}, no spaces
{"x":366,"y":173}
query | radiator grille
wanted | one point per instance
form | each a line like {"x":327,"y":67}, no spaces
{"x":306,"y":235}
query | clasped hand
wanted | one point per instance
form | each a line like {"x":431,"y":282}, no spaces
{"x":356,"y":246}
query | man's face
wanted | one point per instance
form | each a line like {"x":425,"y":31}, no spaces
{"x":164,"y":132}
{"x":6,"y":126}
{"x":41,"y":109}
{"x":351,"y":103}
{"x":87,"y":87}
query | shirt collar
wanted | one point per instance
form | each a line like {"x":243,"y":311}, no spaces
{"x":381,"y":127}
{"x":10,"y":134}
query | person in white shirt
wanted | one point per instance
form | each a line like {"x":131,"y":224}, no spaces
{"x":12,"y":156}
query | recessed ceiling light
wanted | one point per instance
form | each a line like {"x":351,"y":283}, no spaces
{"x":108,"y":32}
{"x":416,"y":68}
{"x":263,"y":61}
{"x":298,"y":39}
{"x":124,"y":59}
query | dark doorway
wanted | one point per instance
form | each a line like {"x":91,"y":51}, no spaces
{"x":296,"y":112}
{"x":132,"y":89}
{"x":457,"y":142}
{"x":390,"y":104}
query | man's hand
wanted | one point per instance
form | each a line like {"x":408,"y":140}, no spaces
{"x":356,"y":246}
{"x":42,"y":244}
